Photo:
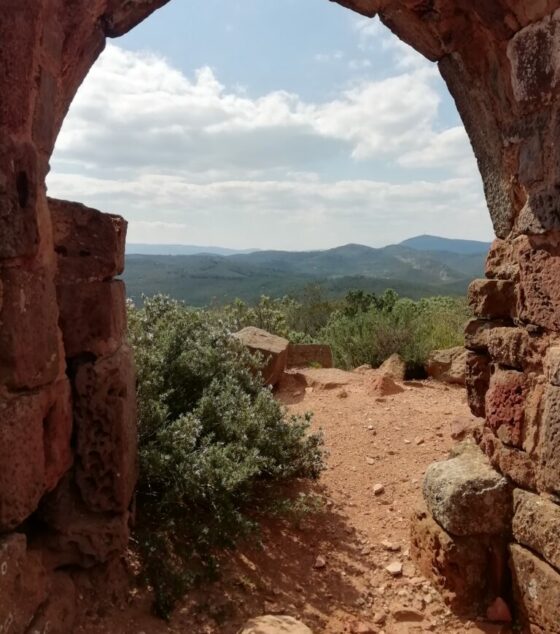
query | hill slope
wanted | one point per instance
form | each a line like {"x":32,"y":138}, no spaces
{"x":435,"y":243}
{"x":203,"y":279}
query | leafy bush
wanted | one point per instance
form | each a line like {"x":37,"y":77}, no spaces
{"x":214,"y":444}
{"x":368,"y":332}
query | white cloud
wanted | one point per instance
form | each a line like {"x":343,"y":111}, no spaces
{"x":186,"y":159}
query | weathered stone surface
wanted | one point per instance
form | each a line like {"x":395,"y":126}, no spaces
{"x":92,"y":317}
{"x":23,"y":584}
{"x":466,"y":496}
{"x":35,"y":432}
{"x":77,"y":536}
{"x":105,"y":420}
{"x":536,"y":525}
{"x":22,"y":459}
{"x":58,"y":614}
{"x":89,"y":244}
{"x":516,"y":464}
{"x":539,"y":297}
{"x":393,"y":367}
{"x":552,"y":365}
{"x":477,"y":381}
{"x":29,"y":339}
{"x":537,"y":589}
{"x":505,"y":406}
{"x":448,"y":366}
{"x":549,"y":475}
{"x":508,"y":346}
{"x":274,"y":350}
{"x":302,"y":355}
{"x":493,"y":299}
{"x":468,"y":571}
{"x":501,"y":262}
{"x":274,"y":625}
{"x":533,"y":53}
{"x":18,"y":185}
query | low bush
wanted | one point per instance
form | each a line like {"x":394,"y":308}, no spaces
{"x":214,"y":444}
{"x":369,"y":332}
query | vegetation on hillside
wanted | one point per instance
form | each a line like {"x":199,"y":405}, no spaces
{"x":214,"y":444}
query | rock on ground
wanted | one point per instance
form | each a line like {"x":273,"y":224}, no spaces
{"x":466,"y":496}
{"x":274,"y":350}
{"x":275,"y":625}
{"x":394,"y":367}
{"x":448,"y":366}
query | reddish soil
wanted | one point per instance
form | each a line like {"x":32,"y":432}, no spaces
{"x":330,"y":570}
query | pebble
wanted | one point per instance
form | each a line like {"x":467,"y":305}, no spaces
{"x":418,"y":440}
{"x":320,"y":562}
{"x":394,"y":568}
{"x":390,"y":546}
{"x":370,"y":460}
{"x":378,"y":489}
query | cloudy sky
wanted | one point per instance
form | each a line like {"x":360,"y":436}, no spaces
{"x":269,"y":124}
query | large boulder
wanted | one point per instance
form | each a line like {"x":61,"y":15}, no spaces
{"x":466,"y":496}
{"x":448,"y":366}
{"x":275,"y":625}
{"x":274,"y":350}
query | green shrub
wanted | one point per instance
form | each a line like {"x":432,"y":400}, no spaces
{"x":369,"y":330}
{"x":214,"y":444}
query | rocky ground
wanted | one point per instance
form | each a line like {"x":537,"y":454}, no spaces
{"x":346,"y":569}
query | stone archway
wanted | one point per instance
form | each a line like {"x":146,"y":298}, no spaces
{"x":66,"y":380}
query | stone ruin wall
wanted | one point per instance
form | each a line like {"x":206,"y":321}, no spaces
{"x":67,"y":417}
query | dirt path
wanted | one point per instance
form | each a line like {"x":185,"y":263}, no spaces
{"x":330,"y":571}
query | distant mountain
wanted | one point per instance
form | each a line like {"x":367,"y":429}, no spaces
{"x":179,"y":249}
{"x":205,"y":278}
{"x":434,"y":243}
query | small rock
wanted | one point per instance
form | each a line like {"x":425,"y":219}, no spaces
{"x":363,"y":628}
{"x":378,"y":489}
{"x":498,"y":611}
{"x":394,"y":568}
{"x":403,"y":613}
{"x":379,"y":618}
{"x":320,"y":563}
{"x":370,"y":460}
{"x":390,"y":546}
{"x":418,"y":440}
{"x":370,"y":427}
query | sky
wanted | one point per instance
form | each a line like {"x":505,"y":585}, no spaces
{"x":275,"y":124}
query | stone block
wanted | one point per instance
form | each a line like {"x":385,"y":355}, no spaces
{"x":448,"y":366}
{"x":92,"y":317}
{"x":105,"y":420}
{"x":467,"y":571}
{"x":274,"y":350}
{"x":466,"y":496}
{"x":536,"y":525}
{"x":23,"y":584}
{"x":508,"y":346}
{"x":539,"y":294}
{"x":22,"y":459}
{"x":18,"y":198}
{"x":302,"y":355}
{"x":536,"y":588}
{"x":519,"y":466}
{"x":58,"y":614}
{"x":500,"y":262}
{"x":477,"y":381}
{"x":89,"y":244}
{"x":493,"y":299}
{"x":29,"y":337}
{"x":549,"y":475}
{"x":35,"y":432}
{"x":552,"y":365}
{"x":76,"y":536}
{"x":505,"y":406}
{"x":535,"y":64}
